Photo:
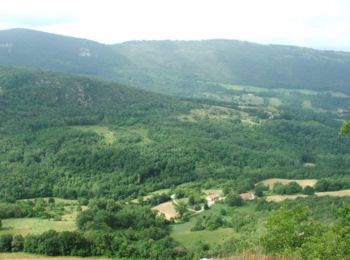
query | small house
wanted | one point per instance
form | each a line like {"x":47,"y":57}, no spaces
{"x":212,"y":198}
{"x":247,"y":196}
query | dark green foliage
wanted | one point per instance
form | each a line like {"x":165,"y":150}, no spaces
{"x":31,"y":208}
{"x":233,"y":199}
{"x":293,"y":232}
{"x":52,"y":243}
{"x":5,"y":243}
{"x":209,"y":222}
{"x":17,"y":243}
{"x":259,"y":189}
{"x":332,"y":184}
{"x":308,"y":190}
{"x":158,"y":199}
{"x":109,"y":229}
{"x":290,"y":188}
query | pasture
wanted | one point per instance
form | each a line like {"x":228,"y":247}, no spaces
{"x":279,"y":198}
{"x":302,"y":183}
{"x":166,"y":208}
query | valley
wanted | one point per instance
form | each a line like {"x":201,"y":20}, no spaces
{"x":234,"y":156}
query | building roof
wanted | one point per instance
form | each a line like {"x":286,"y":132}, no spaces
{"x":247,"y":196}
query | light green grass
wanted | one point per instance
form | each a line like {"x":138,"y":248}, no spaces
{"x":132,"y":135}
{"x":275,"y":102}
{"x":57,"y":200}
{"x":182,"y":234}
{"x":119,"y":135}
{"x":245,"y":88}
{"x":25,"y":256}
{"x":25,"y":226}
{"x":107,"y":135}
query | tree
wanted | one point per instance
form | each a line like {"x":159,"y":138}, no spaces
{"x":259,"y":189}
{"x":287,"y":229}
{"x":279,"y":188}
{"x":191,"y":200}
{"x":293,"y":188}
{"x":233,"y":199}
{"x":5,"y":243}
{"x":308,"y":190}
{"x":181,"y":208}
{"x":17,"y":243}
{"x":345,"y":129}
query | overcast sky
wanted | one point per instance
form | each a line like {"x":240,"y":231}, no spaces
{"x":323,"y":24}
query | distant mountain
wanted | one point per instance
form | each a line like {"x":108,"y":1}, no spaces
{"x":180,"y":67}
{"x":30,"y":48}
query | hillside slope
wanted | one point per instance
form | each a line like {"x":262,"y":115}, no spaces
{"x":71,"y":137}
{"x":180,"y":67}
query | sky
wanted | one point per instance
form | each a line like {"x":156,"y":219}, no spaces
{"x":321,"y":24}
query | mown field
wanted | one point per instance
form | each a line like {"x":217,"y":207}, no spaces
{"x":37,"y":225}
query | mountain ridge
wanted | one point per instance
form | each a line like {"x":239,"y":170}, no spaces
{"x":184,"y":68}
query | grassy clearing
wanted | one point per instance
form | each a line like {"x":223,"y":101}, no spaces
{"x":24,"y":256}
{"x":245,"y":88}
{"x":251,"y":99}
{"x":191,"y":239}
{"x":212,"y":191}
{"x":57,"y":200}
{"x":25,"y":226}
{"x":118,"y":134}
{"x":302,"y":183}
{"x":279,"y":198}
{"x":275,"y":102}
{"x":108,"y":136}
{"x":340,"y":193}
{"x":166,"y":208}
{"x":212,"y":113}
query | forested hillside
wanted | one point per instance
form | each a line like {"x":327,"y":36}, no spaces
{"x":74,"y":137}
{"x":180,"y":67}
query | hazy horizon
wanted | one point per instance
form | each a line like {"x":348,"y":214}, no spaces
{"x":314,"y":24}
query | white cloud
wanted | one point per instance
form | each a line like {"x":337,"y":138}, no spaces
{"x":315,"y":23}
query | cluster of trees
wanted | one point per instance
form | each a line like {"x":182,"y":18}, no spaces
{"x":292,"y":188}
{"x":291,"y":231}
{"x":332,"y":184}
{"x":209,"y":222}
{"x":107,"y":228}
{"x":32,"y":208}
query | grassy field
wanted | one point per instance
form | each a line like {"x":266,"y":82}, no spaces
{"x":166,"y":208}
{"x":190,"y":239}
{"x":108,"y":136}
{"x":120,"y":135}
{"x":279,"y":198}
{"x":26,"y":226}
{"x":24,"y":256}
{"x":302,"y":183}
